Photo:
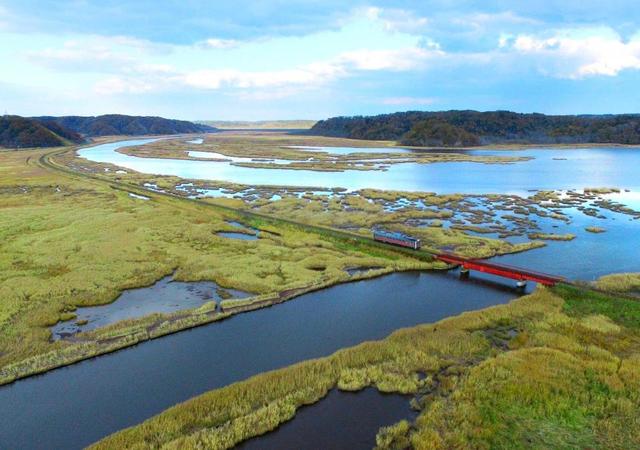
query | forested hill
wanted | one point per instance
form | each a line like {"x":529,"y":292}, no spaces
{"x":22,"y":132}
{"x":467,"y":128}
{"x":116,"y":124}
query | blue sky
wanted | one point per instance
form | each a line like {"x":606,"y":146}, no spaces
{"x":279,"y":59}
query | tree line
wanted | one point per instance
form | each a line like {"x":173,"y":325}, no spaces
{"x":470,"y":128}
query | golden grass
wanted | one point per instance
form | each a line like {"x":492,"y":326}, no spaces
{"x":570,"y":378}
{"x":261,"y":145}
{"x":620,"y":282}
{"x":357,"y":214}
{"x":552,"y":236}
{"x":68,"y":241}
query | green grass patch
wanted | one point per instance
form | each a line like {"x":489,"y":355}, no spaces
{"x":581,"y":302}
{"x":569,"y":378}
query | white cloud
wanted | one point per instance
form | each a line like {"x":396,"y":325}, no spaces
{"x":493,"y":20}
{"x":395,"y":60}
{"x":268,"y":94}
{"x":404,"y":101}
{"x":71,"y":58}
{"x":142,"y":78}
{"x":572,"y":55}
{"x":218,"y":78}
{"x":398,"y":20}
{"x":97,"y":53}
{"x":220,"y":44}
{"x":121,"y":85}
{"x":137,"y":66}
{"x":314,"y":74}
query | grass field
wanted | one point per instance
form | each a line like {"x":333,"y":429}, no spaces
{"x":556,"y":369}
{"x":273,"y":145}
{"x":68,"y":241}
{"x":620,"y":282}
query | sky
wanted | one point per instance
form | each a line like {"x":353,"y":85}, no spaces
{"x":300,"y":59}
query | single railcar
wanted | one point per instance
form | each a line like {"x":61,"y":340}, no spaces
{"x":399,"y":239}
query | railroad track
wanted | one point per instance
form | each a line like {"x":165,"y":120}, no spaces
{"x":45,"y":160}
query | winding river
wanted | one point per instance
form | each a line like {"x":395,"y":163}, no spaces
{"x":587,"y":257}
{"x":73,"y":406}
{"x":76,"y":405}
{"x":549,"y":169}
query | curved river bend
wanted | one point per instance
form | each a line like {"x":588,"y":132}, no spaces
{"x":550,"y":169}
{"x":74,"y":406}
{"x":588,"y":257}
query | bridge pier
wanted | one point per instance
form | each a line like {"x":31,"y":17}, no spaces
{"x":522,"y":276}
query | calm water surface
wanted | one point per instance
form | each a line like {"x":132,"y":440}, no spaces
{"x":79,"y":404}
{"x":164,"y":296}
{"x":587,"y":257}
{"x":550,"y":169}
{"x":76,"y":405}
{"x":341,"y":420}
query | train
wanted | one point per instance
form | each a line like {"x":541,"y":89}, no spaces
{"x":395,"y":238}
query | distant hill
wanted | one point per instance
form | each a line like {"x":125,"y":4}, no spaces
{"x":22,"y":132}
{"x":116,"y":124}
{"x":260,"y":124}
{"x":467,"y":128}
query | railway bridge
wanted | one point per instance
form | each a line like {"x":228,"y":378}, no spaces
{"x":519,"y":274}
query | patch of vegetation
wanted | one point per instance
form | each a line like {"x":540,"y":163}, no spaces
{"x":564,"y":373}
{"x":437,"y":133}
{"x":121,"y":125}
{"x":620,"y":282}
{"x":552,"y":236}
{"x":581,"y":302}
{"x":21,"y":132}
{"x":260,"y":151}
{"x":595,"y":229}
{"x":489,"y":127}
{"x":602,"y":190}
{"x":68,"y":241}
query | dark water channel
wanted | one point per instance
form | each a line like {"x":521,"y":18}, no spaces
{"x":341,"y":420}
{"x":76,"y":405}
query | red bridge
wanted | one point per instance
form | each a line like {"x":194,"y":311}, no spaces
{"x":503,"y":270}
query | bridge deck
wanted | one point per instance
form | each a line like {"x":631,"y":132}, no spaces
{"x":503,"y":270}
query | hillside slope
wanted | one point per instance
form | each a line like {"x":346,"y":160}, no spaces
{"x":117,"y":124}
{"x":22,"y":132}
{"x":463,"y":128}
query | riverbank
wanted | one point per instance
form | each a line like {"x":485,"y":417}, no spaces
{"x":562,"y":360}
{"x":71,"y":241}
{"x":295,"y":152}
{"x":182,"y":365}
{"x":127,"y":333}
{"x":467,"y":218}
{"x":620,"y":282}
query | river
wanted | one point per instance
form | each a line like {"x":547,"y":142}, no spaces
{"x":73,"y":406}
{"x":76,"y":405}
{"x":588,"y":257}
{"x":549,"y":169}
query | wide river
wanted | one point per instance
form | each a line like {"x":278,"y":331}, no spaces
{"x":550,"y":169}
{"x":74,"y":406}
{"x":79,"y":404}
{"x":587,"y":257}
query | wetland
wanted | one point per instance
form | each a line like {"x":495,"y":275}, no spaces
{"x":506,"y":204}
